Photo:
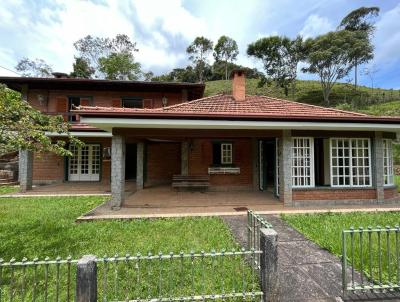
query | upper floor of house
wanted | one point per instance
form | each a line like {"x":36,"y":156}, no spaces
{"x":59,"y":95}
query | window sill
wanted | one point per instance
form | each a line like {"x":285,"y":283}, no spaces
{"x":223,"y":170}
{"x":390,"y":186}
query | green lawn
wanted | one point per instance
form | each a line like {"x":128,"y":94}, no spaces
{"x":8,"y":189}
{"x":326,"y":230}
{"x":39,"y":227}
{"x":397,"y":181}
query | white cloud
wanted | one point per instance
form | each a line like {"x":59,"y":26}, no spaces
{"x":315,"y":25}
{"x":387,"y":37}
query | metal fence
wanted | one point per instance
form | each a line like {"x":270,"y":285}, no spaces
{"x":370,"y":259}
{"x":161,"y":277}
{"x":254,"y":224}
{"x":37,"y":280}
{"x":178,"y":277}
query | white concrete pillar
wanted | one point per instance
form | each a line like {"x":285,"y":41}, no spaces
{"x":117,"y":171}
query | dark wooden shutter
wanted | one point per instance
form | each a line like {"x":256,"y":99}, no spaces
{"x":62,"y":107}
{"x":147,"y":103}
{"x":116,"y":103}
{"x":85,"y":102}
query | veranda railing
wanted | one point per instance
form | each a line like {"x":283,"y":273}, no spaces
{"x":370,"y":259}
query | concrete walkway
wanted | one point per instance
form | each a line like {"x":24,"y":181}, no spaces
{"x":306,"y":271}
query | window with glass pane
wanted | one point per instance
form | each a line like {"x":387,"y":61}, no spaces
{"x":350,"y":162}
{"x":388,"y":162}
{"x":302,"y":162}
{"x":226,"y":153}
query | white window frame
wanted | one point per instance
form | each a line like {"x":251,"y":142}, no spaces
{"x":303,"y":168}
{"x":350,"y":166}
{"x":388,"y":173}
{"x":226,"y":153}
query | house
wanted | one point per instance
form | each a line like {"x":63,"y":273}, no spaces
{"x":304,"y":154}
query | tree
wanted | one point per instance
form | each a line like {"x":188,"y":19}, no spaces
{"x":23,"y":127}
{"x":226,"y":50}
{"x":361,"y":20}
{"x":108,"y":56}
{"x":198,"y":51}
{"x":280,"y":56}
{"x":119,"y":66}
{"x":34,"y":68}
{"x":82,"y":69}
{"x":330,"y":57}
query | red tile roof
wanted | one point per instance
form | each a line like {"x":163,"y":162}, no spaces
{"x":225,"y":106}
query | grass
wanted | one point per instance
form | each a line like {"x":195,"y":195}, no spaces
{"x":8,"y":189}
{"x":397,"y":181}
{"x":39,"y":227}
{"x":325,"y":230}
{"x":310,"y":92}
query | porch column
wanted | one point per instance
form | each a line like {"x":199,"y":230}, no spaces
{"x":185,"y":158}
{"x":140,"y":166}
{"x":25,"y":172}
{"x":255,"y":164}
{"x":285,"y":177}
{"x":377,"y":165}
{"x":117,"y":171}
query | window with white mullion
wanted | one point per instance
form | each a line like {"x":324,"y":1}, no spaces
{"x":388,"y":162}
{"x":350,"y":162}
{"x":302,"y":162}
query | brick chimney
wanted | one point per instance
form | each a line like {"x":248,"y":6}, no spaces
{"x":238,"y":85}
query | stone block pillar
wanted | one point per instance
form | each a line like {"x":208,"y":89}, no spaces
{"x":86,"y":279}
{"x":377,"y":164}
{"x":185,"y":158}
{"x":117,"y":171}
{"x":25,"y":170}
{"x":255,"y":164}
{"x":285,"y":173}
{"x":140,"y":166}
{"x":269,"y":263}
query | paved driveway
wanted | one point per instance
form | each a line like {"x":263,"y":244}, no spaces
{"x":306,"y":271}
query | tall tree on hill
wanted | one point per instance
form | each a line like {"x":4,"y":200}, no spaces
{"x":361,"y":20}
{"x":226,"y":50}
{"x":280,"y":56}
{"x":198,"y":52}
{"x":82,"y":69}
{"x":330,"y":56}
{"x":34,"y":68}
{"x":110,"y":58}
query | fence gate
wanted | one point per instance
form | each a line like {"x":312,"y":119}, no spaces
{"x":370,"y":259}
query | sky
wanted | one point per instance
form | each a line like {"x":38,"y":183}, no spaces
{"x":162,"y":29}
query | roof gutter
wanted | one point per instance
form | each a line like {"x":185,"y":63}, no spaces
{"x":227,"y":116}
{"x":107,"y":124}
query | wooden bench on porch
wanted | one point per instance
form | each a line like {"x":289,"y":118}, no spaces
{"x":201,"y":182}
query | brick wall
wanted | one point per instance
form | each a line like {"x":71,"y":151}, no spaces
{"x":333,"y":194}
{"x":98,"y":98}
{"x":390,"y":193}
{"x":163,"y":161}
{"x":200,"y":158}
{"x":49,"y":167}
